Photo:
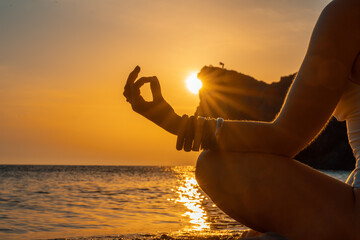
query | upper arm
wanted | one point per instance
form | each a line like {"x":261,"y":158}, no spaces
{"x":313,"y":96}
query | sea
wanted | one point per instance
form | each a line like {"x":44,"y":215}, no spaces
{"x":110,"y":202}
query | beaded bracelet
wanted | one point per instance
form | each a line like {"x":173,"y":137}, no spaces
{"x":219,"y":127}
{"x":199,"y":128}
{"x":189,"y":134}
{"x":195,"y":133}
{"x":181,"y":132}
{"x":206,"y":138}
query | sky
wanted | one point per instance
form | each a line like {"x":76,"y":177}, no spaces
{"x":63,"y":66}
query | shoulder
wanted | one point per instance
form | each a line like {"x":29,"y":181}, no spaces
{"x":342,"y":16}
{"x":336,"y":36}
{"x":350,"y":8}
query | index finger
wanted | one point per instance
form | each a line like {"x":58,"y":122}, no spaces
{"x":133,"y":75}
{"x":131,"y":79}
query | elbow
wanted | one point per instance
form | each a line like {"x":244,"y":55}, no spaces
{"x":288,"y":150}
{"x":286,"y":143}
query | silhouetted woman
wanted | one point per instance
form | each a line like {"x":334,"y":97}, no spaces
{"x":248,"y":168}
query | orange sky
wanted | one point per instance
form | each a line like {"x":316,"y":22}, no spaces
{"x":63,"y":65}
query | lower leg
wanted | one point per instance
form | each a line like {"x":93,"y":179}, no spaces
{"x":272,"y":193}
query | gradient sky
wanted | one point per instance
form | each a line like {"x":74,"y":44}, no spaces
{"x":63,"y":65}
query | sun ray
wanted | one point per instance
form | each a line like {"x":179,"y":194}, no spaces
{"x":220,"y":104}
{"x":239,"y":107}
{"x":211,"y":104}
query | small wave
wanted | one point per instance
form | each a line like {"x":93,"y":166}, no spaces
{"x":42,"y":192}
{"x":95,"y":191}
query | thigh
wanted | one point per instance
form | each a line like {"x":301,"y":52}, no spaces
{"x":273,"y":193}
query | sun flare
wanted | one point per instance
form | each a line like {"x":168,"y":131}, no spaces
{"x":193,"y":83}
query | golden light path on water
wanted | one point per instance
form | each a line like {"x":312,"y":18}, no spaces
{"x":190,"y":196}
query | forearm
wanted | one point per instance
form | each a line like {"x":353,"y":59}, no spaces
{"x":171,"y":123}
{"x":261,"y":137}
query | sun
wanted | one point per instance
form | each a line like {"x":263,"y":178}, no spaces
{"x":193,"y":83}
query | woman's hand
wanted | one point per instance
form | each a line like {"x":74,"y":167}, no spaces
{"x":158,"y":110}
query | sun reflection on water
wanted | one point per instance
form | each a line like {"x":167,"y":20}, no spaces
{"x":190,"y":196}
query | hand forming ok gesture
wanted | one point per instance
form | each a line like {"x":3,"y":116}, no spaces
{"x":158,"y":110}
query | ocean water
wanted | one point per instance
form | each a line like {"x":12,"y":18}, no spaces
{"x":48,"y":202}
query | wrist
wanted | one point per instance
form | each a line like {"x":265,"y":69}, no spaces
{"x":195,"y":132}
{"x":174,"y":123}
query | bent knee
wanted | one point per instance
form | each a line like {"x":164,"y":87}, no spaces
{"x":208,"y":169}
